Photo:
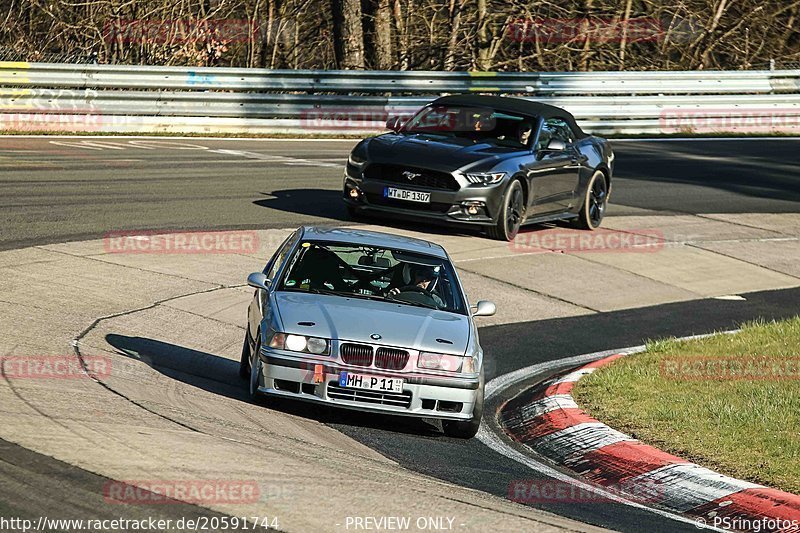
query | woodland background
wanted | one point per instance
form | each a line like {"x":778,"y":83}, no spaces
{"x":503,"y":35}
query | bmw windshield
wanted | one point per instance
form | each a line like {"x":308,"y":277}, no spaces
{"x":374,"y":273}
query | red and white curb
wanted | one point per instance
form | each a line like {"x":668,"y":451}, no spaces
{"x":547,"y":420}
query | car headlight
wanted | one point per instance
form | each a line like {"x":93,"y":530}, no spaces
{"x":356,"y":160}
{"x":300,"y":343}
{"x":439,"y":361}
{"x":485,"y":178}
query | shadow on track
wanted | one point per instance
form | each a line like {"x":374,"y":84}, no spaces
{"x":325,"y":203}
{"x":219,"y":375}
{"x":758,"y":175}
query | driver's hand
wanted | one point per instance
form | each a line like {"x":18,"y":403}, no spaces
{"x":394,"y":292}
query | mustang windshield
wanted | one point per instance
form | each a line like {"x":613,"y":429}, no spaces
{"x":476,"y":123}
{"x":374,"y":273}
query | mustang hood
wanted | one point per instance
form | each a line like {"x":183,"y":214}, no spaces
{"x":435,"y":152}
{"x":355,"y":319}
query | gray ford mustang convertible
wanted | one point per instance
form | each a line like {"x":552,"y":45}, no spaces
{"x":366,"y":321}
{"x":483,"y":161}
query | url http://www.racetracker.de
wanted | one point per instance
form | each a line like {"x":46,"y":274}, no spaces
{"x":202,"y":523}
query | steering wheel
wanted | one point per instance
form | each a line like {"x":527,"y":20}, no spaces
{"x":414,"y":294}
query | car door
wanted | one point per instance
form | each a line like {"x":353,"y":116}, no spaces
{"x":553,"y":174}
{"x":255,"y":311}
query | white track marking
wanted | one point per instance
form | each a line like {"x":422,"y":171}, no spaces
{"x":573,"y":377}
{"x":548,"y":404}
{"x":686,"y":486}
{"x":569,"y":445}
{"x":153,"y":144}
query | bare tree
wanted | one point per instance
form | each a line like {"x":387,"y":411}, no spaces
{"x":348,"y":34}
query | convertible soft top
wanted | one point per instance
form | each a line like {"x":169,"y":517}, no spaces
{"x":518,"y":106}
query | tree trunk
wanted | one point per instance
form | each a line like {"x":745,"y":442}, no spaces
{"x":382,"y":37}
{"x":455,"y":22}
{"x":348,"y":34}
{"x":484,"y":41}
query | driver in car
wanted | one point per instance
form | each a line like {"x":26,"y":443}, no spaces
{"x":524,"y":131}
{"x":422,"y":277}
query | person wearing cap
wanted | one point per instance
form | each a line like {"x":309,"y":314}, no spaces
{"x":421,"y":278}
{"x":524,"y":131}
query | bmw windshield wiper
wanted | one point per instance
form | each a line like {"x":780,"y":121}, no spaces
{"x":415,"y":304}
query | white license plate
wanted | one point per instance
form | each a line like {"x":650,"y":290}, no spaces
{"x":363,"y":381}
{"x":410,"y":196}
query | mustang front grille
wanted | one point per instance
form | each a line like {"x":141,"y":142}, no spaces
{"x":420,"y":177}
{"x":391,"y":358}
{"x":335,"y":392}
{"x":356,"y":354}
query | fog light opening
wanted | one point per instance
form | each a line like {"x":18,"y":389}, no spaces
{"x":472,"y":208}
{"x":353,"y":193}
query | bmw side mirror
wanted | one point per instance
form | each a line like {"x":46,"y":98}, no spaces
{"x":259,"y":280}
{"x":556,"y":145}
{"x":485,"y":308}
{"x":394,"y":124}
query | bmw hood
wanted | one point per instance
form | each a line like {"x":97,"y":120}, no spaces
{"x":355,"y":319}
{"x":434,"y":152}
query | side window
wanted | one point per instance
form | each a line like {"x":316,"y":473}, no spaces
{"x":544,"y":136}
{"x":561,"y":130}
{"x":554,"y":128}
{"x":280,"y":256}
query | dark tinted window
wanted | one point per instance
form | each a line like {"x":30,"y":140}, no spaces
{"x":555,"y":128}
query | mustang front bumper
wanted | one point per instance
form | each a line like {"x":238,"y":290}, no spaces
{"x":445,"y":205}
{"x":429,"y":396}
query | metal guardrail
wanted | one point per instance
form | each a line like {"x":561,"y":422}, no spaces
{"x":184,"y":99}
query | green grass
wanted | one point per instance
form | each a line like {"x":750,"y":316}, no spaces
{"x":745,"y":428}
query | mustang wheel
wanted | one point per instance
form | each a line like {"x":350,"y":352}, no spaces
{"x":466,"y":429}
{"x":594,"y":203}
{"x":511,"y":214}
{"x":244,"y":362}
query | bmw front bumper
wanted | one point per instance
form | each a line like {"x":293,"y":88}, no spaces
{"x":314,"y":380}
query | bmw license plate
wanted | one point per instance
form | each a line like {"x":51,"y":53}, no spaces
{"x":409,"y":196}
{"x":363,"y":381}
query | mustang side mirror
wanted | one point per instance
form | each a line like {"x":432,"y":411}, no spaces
{"x":259,"y":280}
{"x":556,"y":145}
{"x":485,"y":308}
{"x":394,"y":124}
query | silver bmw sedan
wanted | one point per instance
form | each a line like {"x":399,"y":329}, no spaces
{"x":366,"y":321}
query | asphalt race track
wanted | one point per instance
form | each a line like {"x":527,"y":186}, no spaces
{"x":68,"y":189}
{"x":78,"y":188}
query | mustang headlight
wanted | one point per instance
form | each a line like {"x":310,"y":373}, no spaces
{"x":356,"y":160}
{"x":485,"y":178}
{"x":439,"y":361}
{"x":300,"y":343}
